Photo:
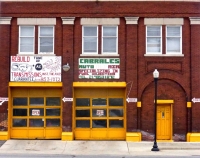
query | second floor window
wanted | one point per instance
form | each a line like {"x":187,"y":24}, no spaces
{"x":172,"y":40}
{"x":28,"y":40}
{"x":105,"y":43}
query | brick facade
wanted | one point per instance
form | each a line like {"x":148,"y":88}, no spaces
{"x":179,"y":75}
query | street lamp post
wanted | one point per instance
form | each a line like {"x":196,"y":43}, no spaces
{"x":155,"y":76}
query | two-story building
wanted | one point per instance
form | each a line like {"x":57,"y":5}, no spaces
{"x":83,"y":70}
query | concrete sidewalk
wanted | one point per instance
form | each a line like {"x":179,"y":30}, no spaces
{"x":98,"y":147}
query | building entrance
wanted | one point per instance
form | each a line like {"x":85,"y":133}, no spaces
{"x":36,"y":113}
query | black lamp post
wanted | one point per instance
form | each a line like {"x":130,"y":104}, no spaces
{"x":155,"y":76}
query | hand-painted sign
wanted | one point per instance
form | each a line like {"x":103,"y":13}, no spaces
{"x":67,"y":99}
{"x":35,"y":68}
{"x":99,"y":68}
{"x":131,"y":100}
{"x":194,"y":100}
{"x":35,"y":112}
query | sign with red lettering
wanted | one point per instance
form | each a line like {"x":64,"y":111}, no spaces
{"x":35,"y":68}
{"x":99,"y":68}
{"x":35,"y":112}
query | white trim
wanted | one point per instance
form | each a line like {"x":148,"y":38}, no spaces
{"x":68,"y":20}
{"x":99,"y":55}
{"x":180,"y":37}
{"x":5,"y":20}
{"x":100,"y":21}
{"x":99,"y":0}
{"x":163,"y":21}
{"x":131,"y":20}
{"x":36,"y":21}
{"x":156,"y":53}
{"x":164,"y":55}
{"x":194,"y":20}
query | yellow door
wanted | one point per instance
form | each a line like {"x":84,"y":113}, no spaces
{"x":36,"y":113}
{"x":164,"y":122}
{"x":99,"y":113}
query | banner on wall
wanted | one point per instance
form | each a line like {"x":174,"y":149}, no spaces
{"x":99,"y":68}
{"x":35,"y":68}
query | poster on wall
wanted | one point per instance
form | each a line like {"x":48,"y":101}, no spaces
{"x":99,"y":68}
{"x":35,"y":68}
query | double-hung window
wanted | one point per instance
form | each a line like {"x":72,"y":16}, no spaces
{"x":109,"y":39}
{"x":26,"y":39}
{"x":90,"y":40}
{"x":173,"y":40}
{"x":105,"y":43}
{"x":154,"y":40}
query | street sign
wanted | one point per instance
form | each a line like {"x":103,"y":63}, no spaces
{"x":194,"y":100}
{"x":67,"y":99}
{"x":131,"y":100}
{"x":3,"y":99}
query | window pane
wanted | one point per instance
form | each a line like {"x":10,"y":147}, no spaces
{"x":52,"y":112}
{"x":46,"y":44}
{"x":46,"y":31}
{"x":109,"y":31}
{"x":99,"y":101}
{"x":19,"y":122}
{"x":153,"y":44}
{"x":116,"y":123}
{"x":82,"y":101}
{"x":19,"y":112}
{"x":109,"y":44}
{"x":20,"y":101}
{"x":27,"y":31}
{"x":99,"y":124}
{"x":83,"y":123}
{"x":173,"y":44}
{"x":90,"y":31}
{"x":37,"y":101}
{"x":82,"y":113}
{"x":99,"y":113}
{"x":153,"y":31}
{"x":53,"y":101}
{"x":26,"y":44}
{"x":90,"y":44}
{"x":36,"y":123}
{"x":52,"y":122}
{"x":116,"y":102}
{"x":36,"y":112}
{"x":173,"y":31}
{"x":116,"y":113}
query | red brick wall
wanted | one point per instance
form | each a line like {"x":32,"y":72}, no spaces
{"x":179,"y":76}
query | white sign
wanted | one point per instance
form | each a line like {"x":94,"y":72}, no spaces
{"x":35,"y":68}
{"x":67,"y":99}
{"x":99,"y":68}
{"x":100,"y":112}
{"x":35,"y":112}
{"x":196,"y":100}
{"x":131,"y":100}
{"x":3,"y":99}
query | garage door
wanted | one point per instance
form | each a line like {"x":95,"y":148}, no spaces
{"x":36,"y":113}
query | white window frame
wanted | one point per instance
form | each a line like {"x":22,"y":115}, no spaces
{"x":39,"y":37}
{"x":102,"y":37}
{"x":89,"y":53}
{"x":180,"y":38}
{"x":19,"y":47}
{"x":155,"y":37}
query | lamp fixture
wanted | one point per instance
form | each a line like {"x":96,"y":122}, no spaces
{"x":66,"y":67}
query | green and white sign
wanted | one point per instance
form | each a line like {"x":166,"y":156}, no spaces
{"x":99,"y":68}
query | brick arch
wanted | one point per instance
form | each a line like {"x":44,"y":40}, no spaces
{"x":167,"y":90}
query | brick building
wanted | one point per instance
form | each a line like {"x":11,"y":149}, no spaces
{"x":84,"y":69}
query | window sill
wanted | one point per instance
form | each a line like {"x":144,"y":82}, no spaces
{"x":99,"y":55}
{"x":35,"y":54}
{"x":164,"y":55}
